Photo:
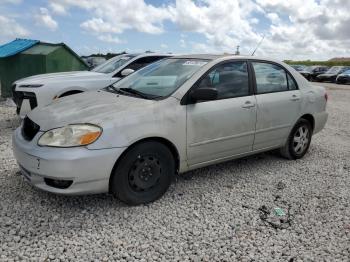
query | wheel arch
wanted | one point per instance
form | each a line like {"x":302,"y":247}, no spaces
{"x":161,"y":140}
{"x":310,"y":118}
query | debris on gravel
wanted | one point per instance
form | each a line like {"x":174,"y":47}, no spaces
{"x":224,"y":212}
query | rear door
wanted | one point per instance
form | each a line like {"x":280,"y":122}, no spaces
{"x":278,"y":104}
{"x":224,"y":127}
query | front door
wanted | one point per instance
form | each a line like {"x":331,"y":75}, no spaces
{"x":224,"y":127}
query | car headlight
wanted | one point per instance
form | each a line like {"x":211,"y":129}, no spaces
{"x":71,"y":136}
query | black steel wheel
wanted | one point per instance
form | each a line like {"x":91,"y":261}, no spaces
{"x":143,"y":174}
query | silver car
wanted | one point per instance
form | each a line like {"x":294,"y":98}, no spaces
{"x":172,"y":116}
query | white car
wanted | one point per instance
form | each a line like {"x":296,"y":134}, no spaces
{"x":41,"y":90}
{"x":172,"y":116}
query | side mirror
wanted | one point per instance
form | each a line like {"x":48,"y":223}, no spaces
{"x":127,"y":72}
{"x":204,"y":94}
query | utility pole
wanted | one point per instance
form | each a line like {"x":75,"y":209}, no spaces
{"x":237,"y":51}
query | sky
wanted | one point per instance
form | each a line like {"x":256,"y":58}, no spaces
{"x":293,"y":29}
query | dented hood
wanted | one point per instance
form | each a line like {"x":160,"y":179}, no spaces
{"x":97,"y":108}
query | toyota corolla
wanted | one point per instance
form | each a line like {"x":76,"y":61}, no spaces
{"x":175,"y":115}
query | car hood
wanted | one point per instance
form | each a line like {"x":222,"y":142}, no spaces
{"x":75,"y":75}
{"x":97,"y":108}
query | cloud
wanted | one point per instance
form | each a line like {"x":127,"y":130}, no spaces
{"x":110,"y":16}
{"x":294,"y":29}
{"x":98,"y":25}
{"x":43,"y":18}
{"x":163,"y":46}
{"x":314,"y":29}
{"x":57,"y":8}
{"x":11,"y":29}
{"x":225,"y":24}
{"x":110,"y":39}
{"x":16,"y":2}
{"x":183,"y":43}
{"x":275,"y":19}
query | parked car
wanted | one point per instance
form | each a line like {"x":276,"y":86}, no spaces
{"x":299,"y":67}
{"x":332,"y":73}
{"x":41,"y":90}
{"x":343,"y":78}
{"x":172,"y":116}
{"x":311,"y":72}
{"x":317,"y":70}
{"x":303,"y":70}
{"x":94,"y":61}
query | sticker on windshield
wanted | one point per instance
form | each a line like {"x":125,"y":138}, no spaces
{"x":195,"y":63}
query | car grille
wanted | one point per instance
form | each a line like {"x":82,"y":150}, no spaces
{"x":29,"y":129}
{"x":18,"y":97}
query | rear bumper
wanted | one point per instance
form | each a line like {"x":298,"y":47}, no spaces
{"x":89,"y":170}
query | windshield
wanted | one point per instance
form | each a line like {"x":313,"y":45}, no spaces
{"x":161,"y":78}
{"x":347,"y":72}
{"x":335,"y":70}
{"x":113,"y":64}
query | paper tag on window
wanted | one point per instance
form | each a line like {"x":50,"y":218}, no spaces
{"x":194,"y":63}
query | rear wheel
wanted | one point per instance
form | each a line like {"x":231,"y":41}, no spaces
{"x":143,"y":174}
{"x":298,"y":141}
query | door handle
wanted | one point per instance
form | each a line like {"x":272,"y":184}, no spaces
{"x":295,"y":98}
{"x":248,"y":105}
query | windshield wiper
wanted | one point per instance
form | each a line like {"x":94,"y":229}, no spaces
{"x":138,"y":93}
{"x":128,"y":91}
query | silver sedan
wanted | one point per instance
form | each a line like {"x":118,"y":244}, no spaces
{"x":175,"y":115}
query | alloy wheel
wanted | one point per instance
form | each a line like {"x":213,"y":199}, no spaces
{"x":301,"y":139}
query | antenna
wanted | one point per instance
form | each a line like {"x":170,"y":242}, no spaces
{"x":262,"y":39}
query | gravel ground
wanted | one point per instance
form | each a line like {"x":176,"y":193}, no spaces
{"x":224,"y":212}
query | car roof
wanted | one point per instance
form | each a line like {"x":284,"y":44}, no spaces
{"x":138,"y":55}
{"x":202,"y":56}
{"x":223,"y":57}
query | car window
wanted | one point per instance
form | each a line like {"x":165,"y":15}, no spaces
{"x":140,"y":63}
{"x":230,"y":79}
{"x":292,"y":85}
{"x":113,"y":64}
{"x":270,"y":78}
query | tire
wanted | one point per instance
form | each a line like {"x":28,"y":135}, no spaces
{"x":143,"y":174}
{"x":294,"y":149}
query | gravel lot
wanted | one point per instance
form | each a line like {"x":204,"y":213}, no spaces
{"x":224,"y":212}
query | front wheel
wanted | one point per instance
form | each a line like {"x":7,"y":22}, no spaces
{"x":143,"y":174}
{"x":298,"y":141}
